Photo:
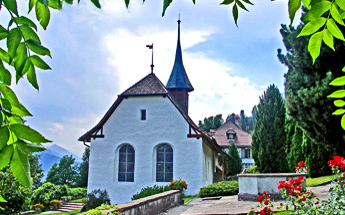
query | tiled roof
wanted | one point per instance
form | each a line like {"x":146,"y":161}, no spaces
{"x":242,"y":138}
{"x":149,"y":85}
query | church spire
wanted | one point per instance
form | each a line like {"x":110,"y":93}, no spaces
{"x":178,"y":78}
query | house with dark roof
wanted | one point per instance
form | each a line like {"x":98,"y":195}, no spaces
{"x":146,"y":138}
{"x":230,"y":132}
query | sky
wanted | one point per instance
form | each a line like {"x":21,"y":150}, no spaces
{"x":99,"y":53}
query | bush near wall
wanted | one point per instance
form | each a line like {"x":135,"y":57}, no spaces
{"x":47,"y":192}
{"x":224,"y":188}
{"x":149,"y":191}
{"x":77,"y":192}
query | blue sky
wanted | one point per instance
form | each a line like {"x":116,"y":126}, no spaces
{"x":97,"y":54}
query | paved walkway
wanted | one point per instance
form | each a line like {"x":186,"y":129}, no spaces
{"x":230,"y":204}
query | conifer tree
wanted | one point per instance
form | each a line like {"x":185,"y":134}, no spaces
{"x":268,"y":140}
{"x":234,"y":165}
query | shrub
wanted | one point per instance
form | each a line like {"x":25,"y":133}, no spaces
{"x":224,"y":188}
{"x":55,"y":202}
{"x":47,"y":192}
{"x":252,"y":170}
{"x":97,"y":211}
{"x":149,"y":191}
{"x":96,"y":198}
{"x":38,"y":206}
{"x":77,"y":192}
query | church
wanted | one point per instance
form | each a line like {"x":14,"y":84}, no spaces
{"x":146,"y":138}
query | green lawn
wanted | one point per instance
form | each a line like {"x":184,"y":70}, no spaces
{"x":188,"y":199}
{"x":82,"y":200}
{"x":65,"y":213}
{"x":283,"y":213}
{"x":315,"y":181}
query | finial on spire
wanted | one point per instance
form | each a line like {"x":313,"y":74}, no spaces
{"x":151,"y":47}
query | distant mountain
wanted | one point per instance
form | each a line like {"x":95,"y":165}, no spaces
{"x":52,"y":155}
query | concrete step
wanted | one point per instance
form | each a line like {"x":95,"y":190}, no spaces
{"x":70,"y":206}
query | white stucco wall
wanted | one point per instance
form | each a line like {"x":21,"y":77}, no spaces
{"x":208,"y":164}
{"x":164,"y":124}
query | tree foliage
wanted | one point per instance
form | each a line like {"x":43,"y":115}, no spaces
{"x":47,"y":192}
{"x":212,"y":122}
{"x":268,"y":140}
{"x":36,"y":170}
{"x":234,"y":165}
{"x":84,"y":168}
{"x":63,"y":173}
{"x":307,"y":87}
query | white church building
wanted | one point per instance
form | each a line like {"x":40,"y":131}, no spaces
{"x":146,"y":138}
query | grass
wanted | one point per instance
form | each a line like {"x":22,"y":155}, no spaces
{"x":283,"y":213}
{"x":188,"y":199}
{"x":315,"y":181}
{"x":82,"y":200}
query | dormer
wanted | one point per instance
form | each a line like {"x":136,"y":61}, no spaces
{"x":231,"y":135}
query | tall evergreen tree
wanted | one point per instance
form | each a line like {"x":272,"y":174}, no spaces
{"x":234,"y":165}
{"x":268,"y":140}
{"x":84,"y":168}
{"x":212,"y":122}
{"x":36,"y":170}
{"x":306,"y":90}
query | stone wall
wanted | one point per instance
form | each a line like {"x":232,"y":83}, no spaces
{"x":152,"y":205}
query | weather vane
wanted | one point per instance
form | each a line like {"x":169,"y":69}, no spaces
{"x":151,"y":47}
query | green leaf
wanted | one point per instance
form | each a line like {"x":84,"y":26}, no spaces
{"x":42,"y":14}
{"x":343,"y":122}
{"x":38,"y":48}
{"x":306,"y":3}
{"x":226,"y":2}
{"x":294,"y":6}
{"x":25,"y":21}
{"x":45,"y":3}
{"x":339,"y":112}
{"x":5,"y":135}
{"x":13,"y":41}
{"x":340,"y":81}
{"x":127,"y":3}
{"x":69,"y":1}
{"x":235,"y":13}
{"x":2,"y":199}
{"x":341,"y":4}
{"x":248,"y":2}
{"x":314,"y":45}
{"x":166,"y":4}
{"x":29,"y":147}
{"x":20,"y":168}
{"x":328,"y":38}
{"x":17,"y":107}
{"x":6,"y":104}
{"x":337,"y":94}
{"x":29,"y":34}
{"x":6,"y":155}
{"x":333,"y":28}
{"x":55,"y":4}
{"x":26,"y":133}
{"x":37,"y":61}
{"x":11,"y":5}
{"x":239,"y":3}
{"x":3,"y":32}
{"x":96,"y":3}
{"x":193,"y":1}
{"x":31,"y":76}
{"x":336,"y":16}
{"x":4,"y":56}
{"x":5,"y":75}
{"x":312,"y":27}
{"x":317,"y":10}
{"x":19,"y":60}
{"x":32,"y":3}
{"x":339,"y":103}
{"x":343,"y":69}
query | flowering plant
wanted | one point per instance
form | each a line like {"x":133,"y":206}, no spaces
{"x":37,"y":206}
{"x":55,"y":202}
{"x":177,"y":185}
{"x":301,"y":167}
{"x":265,"y":202}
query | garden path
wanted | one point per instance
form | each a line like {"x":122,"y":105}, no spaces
{"x":230,"y":204}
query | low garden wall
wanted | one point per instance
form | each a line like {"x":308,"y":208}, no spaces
{"x":152,"y":205}
{"x":252,"y":185}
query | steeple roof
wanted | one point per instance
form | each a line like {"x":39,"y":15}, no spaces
{"x":178,"y":77}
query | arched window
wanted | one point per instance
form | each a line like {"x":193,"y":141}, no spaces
{"x":126,"y":163}
{"x":164,"y":166}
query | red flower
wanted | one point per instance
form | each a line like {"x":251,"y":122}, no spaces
{"x":260,"y":198}
{"x":298,"y":188}
{"x":266,"y":202}
{"x":264,"y":192}
{"x":303,"y":198}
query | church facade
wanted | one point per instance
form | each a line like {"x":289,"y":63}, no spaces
{"x":146,"y":138}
